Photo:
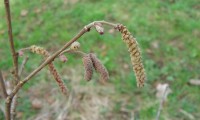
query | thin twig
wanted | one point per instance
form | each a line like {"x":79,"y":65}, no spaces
{"x":23,"y":65}
{"x":65,"y":51}
{"x":47,"y":61}
{"x":13,"y":107}
{"x":14,"y":54}
{"x":161,"y":104}
{"x":3,"y":86}
{"x":72,"y":51}
{"x":14,"y":102}
{"x":187,"y":114}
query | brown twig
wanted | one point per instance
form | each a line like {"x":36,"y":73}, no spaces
{"x":72,"y":51}
{"x":23,"y":65}
{"x":14,"y":102}
{"x":14,"y":54}
{"x":47,"y":61}
{"x":3,"y":87}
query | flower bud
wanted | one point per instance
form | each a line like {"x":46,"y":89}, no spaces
{"x":63,"y":58}
{"x":99,"y":28}
{"x":75,"y":45}
{"x":21,"y":53}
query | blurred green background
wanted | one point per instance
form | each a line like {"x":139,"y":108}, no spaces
{"x":168,"y":32}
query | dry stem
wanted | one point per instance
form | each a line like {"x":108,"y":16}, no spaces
{"x":161,"y":104}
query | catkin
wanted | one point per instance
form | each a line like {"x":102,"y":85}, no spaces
{"x":58,"y":79}
{"x":88,"y":66}
{"x":99,"y":67}
{"x":53,"y":71}
{"x":39,"y":50}
{"x":135,"y":55}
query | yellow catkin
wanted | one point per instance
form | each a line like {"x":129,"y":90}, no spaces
{"x":39,"y":50}
{"x":88,"y":66}
{"x":135,"y":55}
{"x":99,"y":67}
{"x":53,"y":71}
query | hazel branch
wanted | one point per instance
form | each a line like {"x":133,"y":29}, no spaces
{"x":52,"y":57}
{"x":47,"y":61}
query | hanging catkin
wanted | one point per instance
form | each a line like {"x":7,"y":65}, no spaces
{"x":99,"y":67}
{"x":88,"y":66}
{"x":53,"y":71}
{"x":135,"y":55}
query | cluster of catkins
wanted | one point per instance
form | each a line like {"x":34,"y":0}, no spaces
{"x":90,"y":62}
{"x":135,"y":54}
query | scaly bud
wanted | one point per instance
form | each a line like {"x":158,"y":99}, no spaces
{"x":63,"y":58}
{"x":75,"y":45}
{"x":99,"y":28}
{"x":21,"y":53}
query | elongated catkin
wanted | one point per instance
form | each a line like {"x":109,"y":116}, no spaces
{"x":52,"y":69}
{"x":135,"y":54}
{"x":99,"y":67}
{"x":88,"y":66}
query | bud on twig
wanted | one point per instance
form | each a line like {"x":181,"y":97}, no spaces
{"x":21,"y":53}
{"x":99,"y":28}
{"x":63,"y":58}
{"x":75,"y":45}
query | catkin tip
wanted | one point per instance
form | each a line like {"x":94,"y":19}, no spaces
{"x":58,"y":79}
{"x":39,"y":50}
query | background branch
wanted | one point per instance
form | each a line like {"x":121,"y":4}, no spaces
{"x":23,"y":65}
{"x":14,"y":102}
{"x":161,"y":104}
{"x":10,"y":35}
{"x":3,"y":86}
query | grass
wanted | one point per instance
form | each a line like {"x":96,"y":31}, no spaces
{"x":168,"y":33}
